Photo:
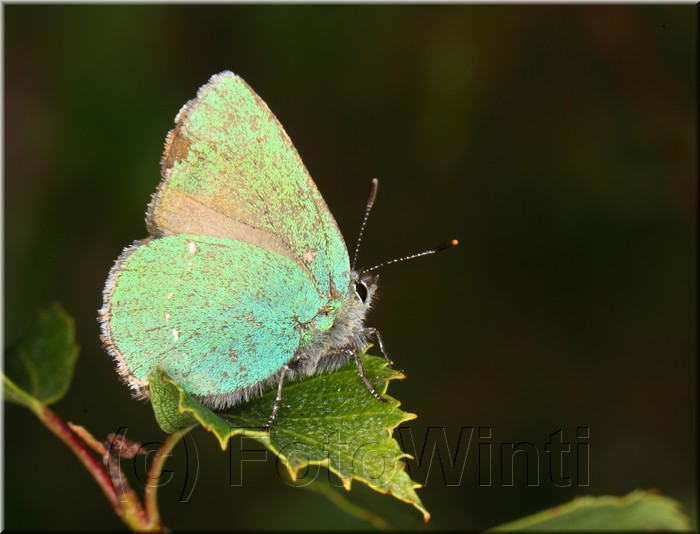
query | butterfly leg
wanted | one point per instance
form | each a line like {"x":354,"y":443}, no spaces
{"x":278,"y":398}
{"x":368,"y":384}
{"x":373,"y":332}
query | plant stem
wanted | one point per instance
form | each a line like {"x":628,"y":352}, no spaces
{"x":350,"y":508}
{"x":128,"y":508}
{"x":150,"y":495}
{"x":91,"y":463}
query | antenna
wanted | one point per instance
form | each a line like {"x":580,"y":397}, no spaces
{"x":370,"y":202}
{"x":439,"y":248}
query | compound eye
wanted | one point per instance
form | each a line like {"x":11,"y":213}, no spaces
{"x":362,"y":291}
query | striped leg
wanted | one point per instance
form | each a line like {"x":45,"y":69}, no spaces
{"x":278,"y":399}
{"x":368,"y":384}
{"x":373,"y":332}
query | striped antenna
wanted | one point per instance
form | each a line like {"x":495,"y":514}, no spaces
{"x":370,"y":203}
{"x":444,"y":246}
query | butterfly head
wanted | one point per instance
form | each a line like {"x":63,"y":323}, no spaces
{"x":364,"y":286}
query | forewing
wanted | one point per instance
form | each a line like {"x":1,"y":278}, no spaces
{"x":218,"y":315}
{"x":230,"y":170}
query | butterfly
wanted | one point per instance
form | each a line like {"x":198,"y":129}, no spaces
{"x":245,"y":280}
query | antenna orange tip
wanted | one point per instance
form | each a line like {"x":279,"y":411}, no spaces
{"x":454,"y":242}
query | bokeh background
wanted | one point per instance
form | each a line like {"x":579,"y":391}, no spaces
{"x":557,"y":143}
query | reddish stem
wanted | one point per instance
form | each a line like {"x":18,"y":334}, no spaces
{"x":131,"y":510}
{"x":93,"y":465}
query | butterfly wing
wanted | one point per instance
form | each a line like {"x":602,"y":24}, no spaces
{"x":230,"y":170}
{"x":218,"y":315}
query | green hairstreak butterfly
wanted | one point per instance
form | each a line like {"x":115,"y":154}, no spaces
{"x":244,"y":280}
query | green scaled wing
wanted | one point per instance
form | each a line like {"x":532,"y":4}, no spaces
{"x":230,"y":170}
{"x":217,"y":315}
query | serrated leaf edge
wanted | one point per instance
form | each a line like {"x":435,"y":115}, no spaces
{"x":263,"y":437}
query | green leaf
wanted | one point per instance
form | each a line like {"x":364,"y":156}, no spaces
{"x":165,"y":399}
{"x":639,"y":510}
{"x":329,"y":420}
{"x":39,"y":367}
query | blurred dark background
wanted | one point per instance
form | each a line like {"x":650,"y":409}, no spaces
{"x":557,"y":143}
